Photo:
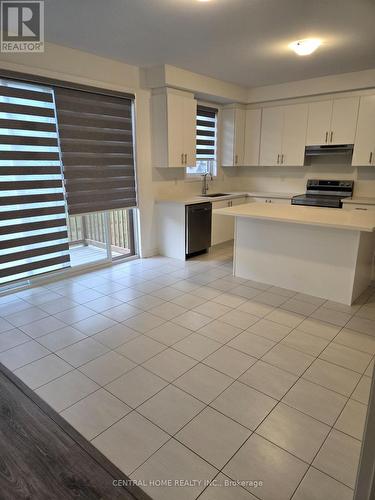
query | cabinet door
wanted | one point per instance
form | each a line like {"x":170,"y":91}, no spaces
{"x":280,"y":201}
{"x":252,"y":137}
{"x":189,"y":120}
{"x":238,"y":201}
{"x":364,"y":144}
{"x":294,"y":135}
{"x":239,"y":136}
{"x":344,"y":120}
{"x":222,"y":225}
{"x":271,"y":136}
{"x":175,"y":124}
{"x":227,"y":137}
{"x":319,"y":123}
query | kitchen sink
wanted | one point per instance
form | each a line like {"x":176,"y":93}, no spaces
{"x":214,"y":195}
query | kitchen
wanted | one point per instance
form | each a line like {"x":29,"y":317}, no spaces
{"x":187,"y":298}
{"x":333,"y":131}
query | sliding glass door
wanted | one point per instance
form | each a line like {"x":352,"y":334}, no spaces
{"x":33,"y":229}
{"x":102,"y":236}
{"x":67,"y":179}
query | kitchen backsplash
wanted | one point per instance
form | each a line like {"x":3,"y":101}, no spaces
{"x":291,"y":179}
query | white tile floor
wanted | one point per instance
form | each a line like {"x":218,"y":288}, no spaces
{"x":178,"y":370}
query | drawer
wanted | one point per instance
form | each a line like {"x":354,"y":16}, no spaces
{"x":358,"y":206}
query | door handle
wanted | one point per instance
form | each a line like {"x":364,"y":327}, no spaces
{"x":331,"y":136}
{"x":370,"y":159}
{"x":326,"y":136}
{"x":185,"y":159}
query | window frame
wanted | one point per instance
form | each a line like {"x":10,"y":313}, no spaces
{"x":133,"y":216}
{"x":196,"y":176}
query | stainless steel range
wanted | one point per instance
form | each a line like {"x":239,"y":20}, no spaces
{"x":324,"y":193}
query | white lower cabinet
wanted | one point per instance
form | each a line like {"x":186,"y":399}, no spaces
{"x":282,"y":201}
{"x":222,"y":225}
{"x":362,"y":207}
{"x":358,"y":206}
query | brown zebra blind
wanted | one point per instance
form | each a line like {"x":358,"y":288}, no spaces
{"x":206,"y":133}
{"x":33,"y":226}
{"x":96,"y":142}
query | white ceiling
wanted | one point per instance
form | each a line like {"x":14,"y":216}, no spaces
{"x":241,"y":41}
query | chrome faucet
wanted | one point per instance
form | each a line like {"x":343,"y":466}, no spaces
{"x":205,"y":183}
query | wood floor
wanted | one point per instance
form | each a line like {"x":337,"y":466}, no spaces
{"x":42,"y":457}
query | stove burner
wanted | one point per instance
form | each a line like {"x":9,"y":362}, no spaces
{"x":324,"y":193}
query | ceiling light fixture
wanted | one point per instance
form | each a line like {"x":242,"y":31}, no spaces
{"x":305,"y":47}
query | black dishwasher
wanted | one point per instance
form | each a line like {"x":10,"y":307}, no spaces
{"x":198,"y":228}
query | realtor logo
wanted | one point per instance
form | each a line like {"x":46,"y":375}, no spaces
{"x":22,"y":26}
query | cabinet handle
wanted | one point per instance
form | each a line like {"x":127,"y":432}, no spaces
{"x":326,"y":136}
{"x":370,"y":159}
{"x":278,"y":159}
{"x":331,"y":136}
{"x":185,"y":159}
{"x":182,"y":158}
{"x":236,"y":159}
{"x":282,"y":159}
{"x":357,"y":208}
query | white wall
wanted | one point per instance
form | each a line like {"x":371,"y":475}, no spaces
{"x":344,"y":82}
{"x":290,"y":179}
{"x":293,"y":179}
{"x":80,"y":67}
{"x":77,"y":66}
{"x":74,"y":65}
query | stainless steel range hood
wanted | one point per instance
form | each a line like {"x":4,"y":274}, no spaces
{"x":325,"y":150}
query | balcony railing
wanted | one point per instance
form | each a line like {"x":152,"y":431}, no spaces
{"x":91,"y":230}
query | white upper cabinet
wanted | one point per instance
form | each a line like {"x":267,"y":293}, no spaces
{"x":232,"y":136}
{"x":332,"y":122}
{"x":283,"y":135}
{"x":252,"y":137}
{"x":294,"y":135}
{"x":271,"y":136}
{"x":189,"y":131}
{"x":175,"y":131}
{"x":364,"y":146}
{"x":173,"y":121}
{"x":319,"y":122}
{"x":344,"y":120}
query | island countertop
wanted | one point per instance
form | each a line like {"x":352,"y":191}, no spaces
{"x":324,"y":217}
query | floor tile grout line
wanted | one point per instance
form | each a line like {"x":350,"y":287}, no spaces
{"x":329,"y":433}
{"x":331,"y":341}
{"x":150,"y":358}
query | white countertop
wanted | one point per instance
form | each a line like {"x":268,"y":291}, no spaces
{"x":336,"y":218}
{"x":265,"y":194}
{"x":229,"y":195}
{"x":361,"y":200}
{"x":201,"y":199}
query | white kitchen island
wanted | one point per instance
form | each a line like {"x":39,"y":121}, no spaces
{"x":323,"y":252}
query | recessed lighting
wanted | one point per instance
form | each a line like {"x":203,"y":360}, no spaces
{"x":305,"y":47}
